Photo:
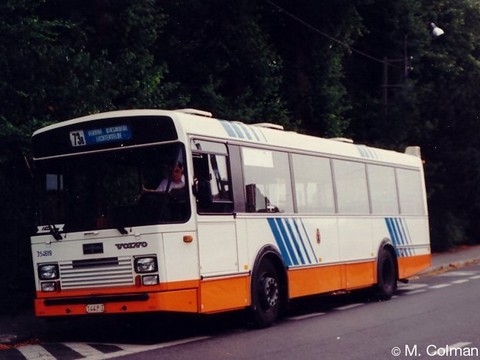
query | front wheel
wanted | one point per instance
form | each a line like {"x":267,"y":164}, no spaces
{"x":266,"y":294}
{"x":386,"y":275}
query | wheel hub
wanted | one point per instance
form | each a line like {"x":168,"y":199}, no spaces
{"x":270,"y":291}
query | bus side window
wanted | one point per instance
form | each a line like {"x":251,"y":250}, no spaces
{"x":267,"y":181}
{"x":202,"y":189}
{"x":212,"y":185}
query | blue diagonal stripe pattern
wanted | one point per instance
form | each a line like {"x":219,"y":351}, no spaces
{"x":367,"y":152}
{"x":400,"y":236}
{"x":293,"y":241}
{"x":239,"y":130}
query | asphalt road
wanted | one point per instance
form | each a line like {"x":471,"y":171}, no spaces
{"x":434,"y":316}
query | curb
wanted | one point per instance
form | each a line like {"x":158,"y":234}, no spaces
{"x":8,"y":341}
{"x":450,"y":266}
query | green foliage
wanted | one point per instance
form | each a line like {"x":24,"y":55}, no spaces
{"x":313,"y":66}
{"x":223,"y":60}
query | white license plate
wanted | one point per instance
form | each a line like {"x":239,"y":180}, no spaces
{"x":95,"y":308}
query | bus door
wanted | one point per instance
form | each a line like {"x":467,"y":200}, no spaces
{"x":216,"y":223}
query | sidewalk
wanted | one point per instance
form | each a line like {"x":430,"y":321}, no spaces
{"x":458,"y":257}
{"x":15,"y":329}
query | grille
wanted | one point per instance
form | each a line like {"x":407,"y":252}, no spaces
{"x":78,"y":274}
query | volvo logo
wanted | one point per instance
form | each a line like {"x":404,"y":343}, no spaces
{"x":132,"y":245}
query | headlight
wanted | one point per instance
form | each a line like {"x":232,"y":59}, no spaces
{"x":49,"y":286}
{"x":149,"y":280}
{"x":48,"y":272}
{"x":146,"y":264}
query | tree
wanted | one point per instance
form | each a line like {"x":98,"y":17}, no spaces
{"x":448,"y":73}
{"x":56,"y":65}
{"x":433,"y":106}
{"x":313,"y":39}
{"x":223,"y":58}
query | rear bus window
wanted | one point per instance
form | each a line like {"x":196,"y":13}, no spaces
{"x":410,"y":192}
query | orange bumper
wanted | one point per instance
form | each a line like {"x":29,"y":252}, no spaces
{"x":179,"y":300}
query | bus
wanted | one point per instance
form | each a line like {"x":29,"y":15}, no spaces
{"x":255,"y":216}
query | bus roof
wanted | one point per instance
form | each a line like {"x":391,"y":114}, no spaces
{"x":202,"y":124}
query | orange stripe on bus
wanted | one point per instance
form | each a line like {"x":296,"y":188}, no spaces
{"x":360,"y":275}
{"x":224,"y":294}
{"x":408,"y":266}
{"x":324,"y":279}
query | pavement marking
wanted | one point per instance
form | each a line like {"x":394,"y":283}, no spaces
{"x":36,"y":352}
{"x":306,"y":316}
{"x":84,"y":349}
{"x":418,"y":291}
{"x":461,"y":281}
{"x":410,"y":287}
{"x":475,"y":277}
{"x":348,"y":307}
{"x":459,"y":273}
{"x":439,"y":286}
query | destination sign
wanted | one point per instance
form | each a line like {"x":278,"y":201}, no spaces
{"x":100,"y":135}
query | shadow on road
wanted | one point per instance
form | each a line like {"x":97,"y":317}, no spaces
{"x":155,"y":328}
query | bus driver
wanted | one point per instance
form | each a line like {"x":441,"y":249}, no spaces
{"x":175,"y":181}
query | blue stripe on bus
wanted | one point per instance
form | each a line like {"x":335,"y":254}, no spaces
{"x":401,"y":240}
{"x":283,"y":232}
{"x":228,"y":128}
{"x":257,"y":131}
{"x":293,"y":239}
{"x":239,"y":130}
{"x":367,"y":152}
{"x":246,"y":130}
{"x":315,"y":257}
{"x":400,"y":236}
{"x":280,"y":242}
{"x":303,"y":240}
{"x":405,"y":235}
{"x":393,"y":235}
{"x":294,"y":244}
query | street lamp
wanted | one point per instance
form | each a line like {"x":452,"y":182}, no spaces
{"x":436,"y":32}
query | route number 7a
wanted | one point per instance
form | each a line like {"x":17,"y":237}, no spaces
{"x":77,"y":138}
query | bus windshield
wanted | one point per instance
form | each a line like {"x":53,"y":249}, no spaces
{"x":113,"y":189}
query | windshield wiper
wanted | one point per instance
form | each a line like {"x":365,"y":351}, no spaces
{"x":55,"y":233}
{"x":122,"y":230}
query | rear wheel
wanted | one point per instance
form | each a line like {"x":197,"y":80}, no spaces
{"x":266,"y":294}
{"x":386,"y":275}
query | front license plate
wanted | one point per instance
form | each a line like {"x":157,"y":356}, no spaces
{"x":95,"y":308}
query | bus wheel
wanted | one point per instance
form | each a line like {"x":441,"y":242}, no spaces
{"x":266,"y":294}
{"x":386,"y":275}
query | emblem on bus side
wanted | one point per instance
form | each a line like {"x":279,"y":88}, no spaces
{"x":132,"y":245}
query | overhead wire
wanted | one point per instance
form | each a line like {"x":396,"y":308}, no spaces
{"x":314,"y":29}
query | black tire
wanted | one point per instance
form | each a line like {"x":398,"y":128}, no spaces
{"x":386,"y":275}
{"x":266,"y":294}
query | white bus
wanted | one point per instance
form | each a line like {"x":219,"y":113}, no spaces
{"x":254,"y":217}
